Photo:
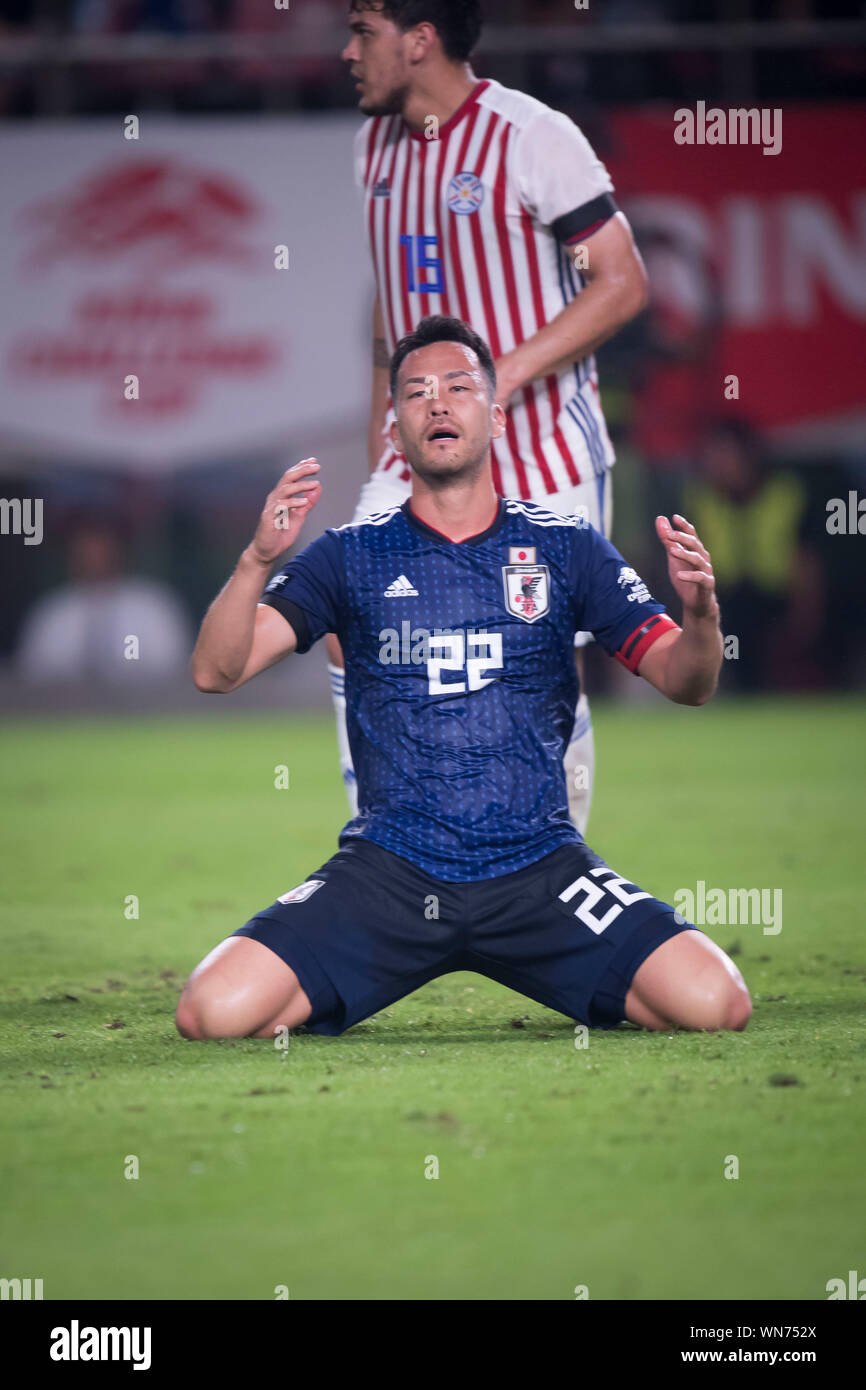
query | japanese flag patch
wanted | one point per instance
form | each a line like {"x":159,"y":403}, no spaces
{"x":521,"y":555}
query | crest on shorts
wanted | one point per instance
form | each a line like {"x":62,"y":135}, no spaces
{"x":302,"y":892}
{"x":527,"y":591}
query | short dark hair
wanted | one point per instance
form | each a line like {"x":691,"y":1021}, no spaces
{"x":457,"y":22}
{"x":439,"y":328}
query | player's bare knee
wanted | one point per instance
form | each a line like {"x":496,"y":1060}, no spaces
{"x":201,"y":1018}
{"x":185,"y":1019}
{"x":734,"y":999}
{"x":189,"y":1022}
{"x":724,"y":1006}
{"x":739,"y":1009}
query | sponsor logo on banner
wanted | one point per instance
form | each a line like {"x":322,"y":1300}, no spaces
{"x":155,"y":296}
{"x":143,"y":224}
{"x":164,"y":212}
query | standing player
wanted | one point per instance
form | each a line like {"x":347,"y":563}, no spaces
{"x":462,"y":855}
{"x":480,"y":201}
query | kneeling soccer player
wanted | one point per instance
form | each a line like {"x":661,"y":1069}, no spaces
{"x":456,"y":612}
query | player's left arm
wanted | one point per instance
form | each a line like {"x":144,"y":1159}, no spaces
{"x":684,"y":664}
{"x":615,"y":290}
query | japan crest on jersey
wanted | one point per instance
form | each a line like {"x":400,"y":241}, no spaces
{"x":527,"y":591}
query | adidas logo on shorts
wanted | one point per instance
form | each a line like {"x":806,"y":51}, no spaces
{"x":401,"y":588}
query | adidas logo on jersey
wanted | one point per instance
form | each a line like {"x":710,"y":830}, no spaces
{"x":401,"y":588}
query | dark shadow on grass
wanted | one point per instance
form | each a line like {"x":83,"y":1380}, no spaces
{"x":431,"y":1036}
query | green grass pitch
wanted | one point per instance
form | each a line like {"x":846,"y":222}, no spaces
{"x":558,"y":1166}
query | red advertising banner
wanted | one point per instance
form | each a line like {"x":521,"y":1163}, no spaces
{"x":197,"y":293}
{"x":757,"y":262}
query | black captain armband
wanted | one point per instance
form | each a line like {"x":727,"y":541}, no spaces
{"x":293,"y":615}
{"x":585,"y":220}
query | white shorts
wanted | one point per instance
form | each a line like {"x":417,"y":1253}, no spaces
{"x":593,"y":500}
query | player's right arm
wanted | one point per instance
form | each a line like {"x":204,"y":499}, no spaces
{"x":239,"y":637}
{"x":379,"y":396}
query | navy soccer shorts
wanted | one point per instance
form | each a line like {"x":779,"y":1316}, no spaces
{"x":368,"y":928}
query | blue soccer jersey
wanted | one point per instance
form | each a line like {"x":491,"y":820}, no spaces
{"x":460,"y":675}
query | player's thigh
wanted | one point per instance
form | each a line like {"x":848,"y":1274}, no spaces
{"x":241,"y":988}
{"x":569,"y":932}
{"x":357,"y":933}
{"x":688,"y":981}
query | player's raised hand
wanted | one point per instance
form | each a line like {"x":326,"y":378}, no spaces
{"x":689,"y":565}
{"x":285,"y":510}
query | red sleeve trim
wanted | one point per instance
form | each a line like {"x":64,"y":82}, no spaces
{"x":587,"y":232}
{"x":636,"y":646}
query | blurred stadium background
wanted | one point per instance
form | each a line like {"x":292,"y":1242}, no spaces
{"x":155,"y":256}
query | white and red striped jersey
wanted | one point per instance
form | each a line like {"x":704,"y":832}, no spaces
{"x":478,"y":223}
